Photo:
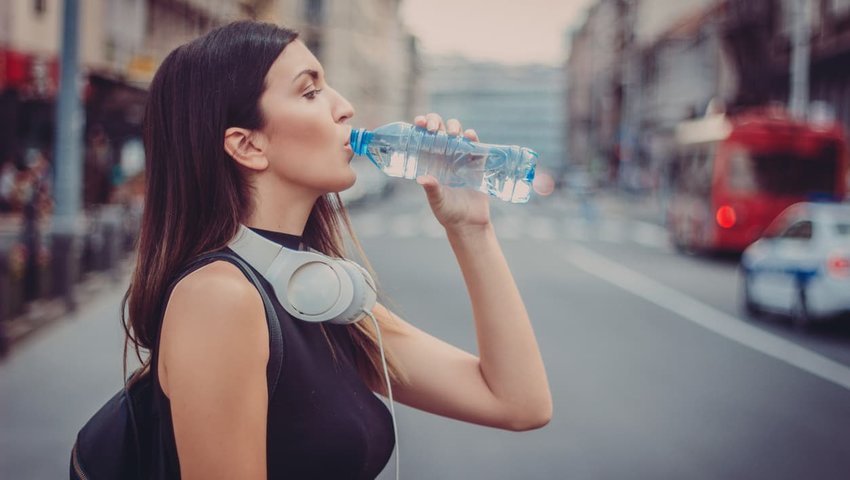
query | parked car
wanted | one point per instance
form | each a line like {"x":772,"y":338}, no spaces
{"x":801,"y":266}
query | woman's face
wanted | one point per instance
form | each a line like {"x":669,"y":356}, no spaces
{"x":306,"y":126}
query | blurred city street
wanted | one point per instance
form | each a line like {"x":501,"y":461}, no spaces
{"x":684,"y":255}
{"x":648,"y":381}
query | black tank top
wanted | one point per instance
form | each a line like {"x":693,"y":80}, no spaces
{"x":323,"y":421}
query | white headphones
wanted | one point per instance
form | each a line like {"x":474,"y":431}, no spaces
{"x":309,"y":285}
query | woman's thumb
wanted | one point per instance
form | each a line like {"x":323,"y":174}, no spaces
{"x":432,"y":188}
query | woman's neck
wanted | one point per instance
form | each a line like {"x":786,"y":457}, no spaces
{"x":278,"y":211}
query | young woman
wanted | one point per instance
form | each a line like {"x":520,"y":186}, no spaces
{"x":243,"y":128}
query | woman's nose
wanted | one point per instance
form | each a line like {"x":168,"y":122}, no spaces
{"x":344,"y":110}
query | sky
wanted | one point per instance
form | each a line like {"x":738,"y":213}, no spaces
{"x":507,"y":31}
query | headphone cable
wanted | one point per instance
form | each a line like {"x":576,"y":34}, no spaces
{"x":389,"y":389}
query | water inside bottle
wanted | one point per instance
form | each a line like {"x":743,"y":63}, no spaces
{"x":505,"y":172}
{"x":396,"y":166}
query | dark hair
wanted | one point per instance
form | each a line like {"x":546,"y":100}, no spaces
{"x":195,"y":194}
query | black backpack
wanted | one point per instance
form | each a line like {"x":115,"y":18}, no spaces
{"x":116,"y":442}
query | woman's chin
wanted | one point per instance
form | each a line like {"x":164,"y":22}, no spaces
{"x":343,"y":184}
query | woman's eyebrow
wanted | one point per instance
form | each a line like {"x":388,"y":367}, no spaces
{"x":309,"y":71}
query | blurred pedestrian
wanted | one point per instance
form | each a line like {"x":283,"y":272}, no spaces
{"x":98,"y":174}
{"x":26,"y":189}
{"x":242,"y":128}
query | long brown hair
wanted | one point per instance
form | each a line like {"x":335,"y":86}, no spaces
{"x":196,"y":196}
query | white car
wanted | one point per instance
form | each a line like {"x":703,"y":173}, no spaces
{"x":801,"y":266}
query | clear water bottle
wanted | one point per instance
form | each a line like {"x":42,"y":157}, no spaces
{"x":407,"y":151}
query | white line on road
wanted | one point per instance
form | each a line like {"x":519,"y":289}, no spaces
{"x":541,"y":229}
{"x":576,"y":230}
{"x":509,"y":227}
{"x":611,"y":231}
{"x":708,"y":317}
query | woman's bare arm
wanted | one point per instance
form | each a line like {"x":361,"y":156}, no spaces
{"x":214,"y":352}
{"x":507,"y":386}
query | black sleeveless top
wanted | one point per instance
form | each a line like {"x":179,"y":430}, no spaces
{"x":323,"y":421}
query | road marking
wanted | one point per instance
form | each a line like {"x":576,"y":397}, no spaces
{"x":509,"y":226}
{"x":708,"y":317}
{"x":611,"y":232}
{"x":649,"y":235}
{"x":541,"y":229}
{"x":576,"y":229}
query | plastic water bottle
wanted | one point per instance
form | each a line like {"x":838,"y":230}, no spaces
{"x":407,"y":151}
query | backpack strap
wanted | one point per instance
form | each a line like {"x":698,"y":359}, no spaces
{"x":276,"y":351}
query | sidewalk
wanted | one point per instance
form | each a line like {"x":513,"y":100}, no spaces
{"x":52,"y":381}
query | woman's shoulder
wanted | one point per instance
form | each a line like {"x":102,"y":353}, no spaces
{"x":217,"y":284}
{"x":217,"y":291}
{"x":214,"y":315}
{"x":218,"y":275}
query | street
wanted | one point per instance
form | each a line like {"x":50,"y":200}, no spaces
{"x":655,"y":372}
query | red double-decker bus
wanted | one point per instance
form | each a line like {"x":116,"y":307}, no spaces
{"x":733,"y":175}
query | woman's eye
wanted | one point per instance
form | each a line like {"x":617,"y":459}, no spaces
{"x":312,"y":94}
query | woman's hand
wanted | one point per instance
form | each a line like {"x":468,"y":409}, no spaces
{"x":457,"y":209}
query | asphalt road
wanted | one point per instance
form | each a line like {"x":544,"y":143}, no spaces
{"x":654,"y":371}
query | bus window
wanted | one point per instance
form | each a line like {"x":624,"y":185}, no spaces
{"x":784,"y":173}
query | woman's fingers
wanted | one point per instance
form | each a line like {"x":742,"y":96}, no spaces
{"x":434,"y":122}
{"x":453,"y":127}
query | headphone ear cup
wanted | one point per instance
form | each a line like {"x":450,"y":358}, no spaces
{"x":365,"y":293}
{"x":311,"y":291}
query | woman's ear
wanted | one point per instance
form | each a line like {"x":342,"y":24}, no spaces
{"x":247,"y":147}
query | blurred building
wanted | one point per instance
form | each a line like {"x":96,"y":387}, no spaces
{"x":638,"y":67}
{"x":121,"y":43}
{"x":682,"y":66}
{"x":759,"y":36}
{"x":594,"y":88}
{"x":514,"y":105}
{"x":366,"y":51}
{"x":630,"y":65}
{"x":367,"y":54}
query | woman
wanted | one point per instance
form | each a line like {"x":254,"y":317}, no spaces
{"x":242,"y":128}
